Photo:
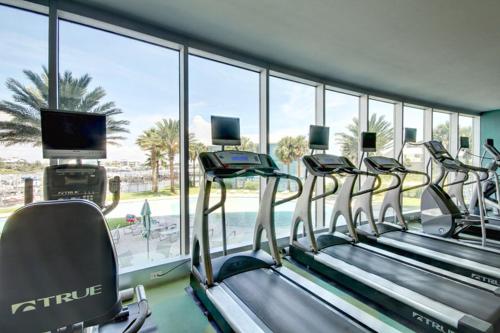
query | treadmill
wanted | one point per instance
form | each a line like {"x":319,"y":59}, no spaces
{"x":477,"y":264}
{"x":251,"y":291}
{"x":427,"y":300}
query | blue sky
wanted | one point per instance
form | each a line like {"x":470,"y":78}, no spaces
{"x":142,"y":79}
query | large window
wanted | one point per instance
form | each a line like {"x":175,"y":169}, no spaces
{"x":381,"y":121}
{"x":342,"y":116}
{"x":413,"y":158}
{"x":291,"y":111}
{"x":440,"y":132}
{"x":219,"y":89}
{"x":136,"y":84}
{"x":466,"y":129}
{"x":468,"y":156}
{"x":441,"y":128}
{"x":23,"y":77}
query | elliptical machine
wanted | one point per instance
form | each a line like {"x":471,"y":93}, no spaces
{"x":491,"y":187}
{"x":440,"y":216}
{"x":491,"y":193}
{"x":58,"y":264}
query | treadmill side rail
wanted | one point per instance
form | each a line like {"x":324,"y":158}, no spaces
{"x":367,"y":318}
{"x":433,"y":269}
{"x":478,"y":267}
{"x":232,"y":311}
{"x":422,"y":303}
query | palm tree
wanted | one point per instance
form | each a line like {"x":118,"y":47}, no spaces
{"x":150,"y":141}
{"x":248,"y":145}
{"x":349,"y":141}
{"x":442,"y":133}
{"x":285,"y":151}
{"x":301,"y":147}
{"x":23,"y":125}
{"x":168,"y":130}
{"x":195,"y":148}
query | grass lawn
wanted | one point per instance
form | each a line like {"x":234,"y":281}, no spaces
{"x":116,"y":222}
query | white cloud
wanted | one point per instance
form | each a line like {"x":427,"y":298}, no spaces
{"x":201,"y":129}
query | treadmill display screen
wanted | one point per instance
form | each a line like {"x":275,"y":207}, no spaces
{"x":239,"y":158}
{"x":228,"y":157}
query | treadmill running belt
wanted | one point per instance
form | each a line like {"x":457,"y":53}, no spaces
{"x":284,"y":307}
{"x":457,"y":250}
{"x":478,"y":303}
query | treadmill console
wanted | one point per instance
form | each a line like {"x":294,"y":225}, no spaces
{"x":382,"y":164}
{"x":237,"y":157}
{"x":67,"y":181}
{"x":325,"y":163}
{"x":437,"y":150}
{"x":326,"y":160}
{"x":230,"y":161}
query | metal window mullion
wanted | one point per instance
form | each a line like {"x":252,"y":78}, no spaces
{"x":184,"y":148}
{"x":53,"y":57}
{"x":427,"y":133}
{"x":263,"y":119}
{"x":476,"y":134}
{"x":364,"y":105}
{"x":454,"y":134}
{"x":320,"y":186}
{"x":398,"y":128}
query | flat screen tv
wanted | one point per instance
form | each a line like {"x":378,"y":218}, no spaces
{"x":70,"y":135}
{"x":225,"y":131}
{"x":318,"y":137}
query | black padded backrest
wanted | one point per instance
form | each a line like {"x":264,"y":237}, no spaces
{"x":57,"y":267}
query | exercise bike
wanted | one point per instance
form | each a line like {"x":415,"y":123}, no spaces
{"x":58,"y":264}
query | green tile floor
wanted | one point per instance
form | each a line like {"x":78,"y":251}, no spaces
{"x":175,"y":311}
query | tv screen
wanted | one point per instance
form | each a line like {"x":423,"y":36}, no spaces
{"x":464,"y":142}
{"x":318,"y":137}
{"x":73,"y":134}
{"x":369,"y":141}
{"x":410,"y":135}
{"x":225,"y":131}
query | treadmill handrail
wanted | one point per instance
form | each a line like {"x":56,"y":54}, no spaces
{"x":378,"y":181}
{"x":392,"y":187}
{"x":462,"y":181}
{"x":222,"y":200}
{"x":414,"y":187}
{"x":331,"y":192}
{"x":292,"y":197}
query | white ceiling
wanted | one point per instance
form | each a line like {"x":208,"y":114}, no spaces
{"x":440,"y":51}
